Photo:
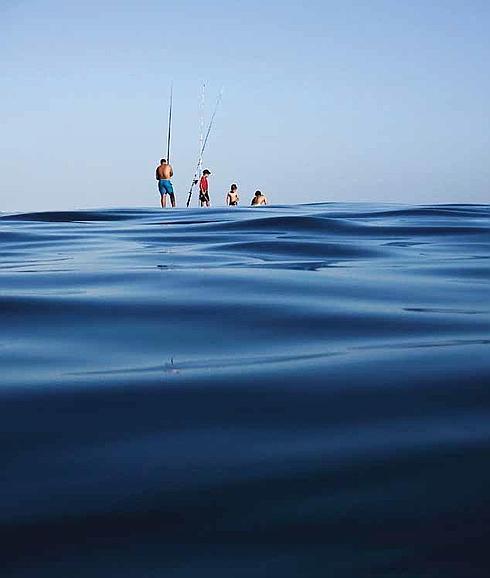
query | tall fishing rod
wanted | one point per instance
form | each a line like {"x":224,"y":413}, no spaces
{"x":170,"y":121}
{"x":203,"y":147}
{"x":202,"y":107}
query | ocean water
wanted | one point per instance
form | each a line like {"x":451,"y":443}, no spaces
{"x":280,"y":392}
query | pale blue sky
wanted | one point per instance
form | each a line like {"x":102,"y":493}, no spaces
{"x":377,"y":100}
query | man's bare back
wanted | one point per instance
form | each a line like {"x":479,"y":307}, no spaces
{"x":259,"y":199}
{"x":164,"y":171}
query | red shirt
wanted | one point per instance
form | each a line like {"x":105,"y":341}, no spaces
{"x":203,"y":184}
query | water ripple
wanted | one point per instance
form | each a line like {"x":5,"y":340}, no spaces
{"x":283,"y":391}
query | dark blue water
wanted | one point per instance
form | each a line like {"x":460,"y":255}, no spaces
{"x":274,"y":392}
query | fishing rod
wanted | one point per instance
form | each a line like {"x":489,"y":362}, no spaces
{"x":203,"y":147}
{"x":202,"y":108}
{"x":170,"y":122}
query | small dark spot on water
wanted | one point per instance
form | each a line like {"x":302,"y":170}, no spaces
{"x":450,"y":311}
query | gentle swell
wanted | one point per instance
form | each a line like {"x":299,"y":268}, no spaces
{"x":296,"y":392}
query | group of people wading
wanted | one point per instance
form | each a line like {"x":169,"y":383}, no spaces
{"x":164,"y":173}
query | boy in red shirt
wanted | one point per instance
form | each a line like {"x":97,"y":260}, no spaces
{"x":204,"y":188}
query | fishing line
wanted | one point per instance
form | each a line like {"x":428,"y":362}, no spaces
{"x":203,"y":147}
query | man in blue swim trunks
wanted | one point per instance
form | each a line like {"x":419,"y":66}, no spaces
{"x":164,"y":173}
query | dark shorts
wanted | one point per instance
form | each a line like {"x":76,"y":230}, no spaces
{"x":204,"y":197}
{"x":165,"y":186}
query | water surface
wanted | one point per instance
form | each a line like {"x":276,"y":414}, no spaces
{"x":285,"y":392}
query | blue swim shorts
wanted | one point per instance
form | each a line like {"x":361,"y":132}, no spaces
{"x":165,"y":186}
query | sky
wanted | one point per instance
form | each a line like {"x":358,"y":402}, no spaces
{"x":377,"y":101}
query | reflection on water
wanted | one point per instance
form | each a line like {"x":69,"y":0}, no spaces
{"x":286,"y":392}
